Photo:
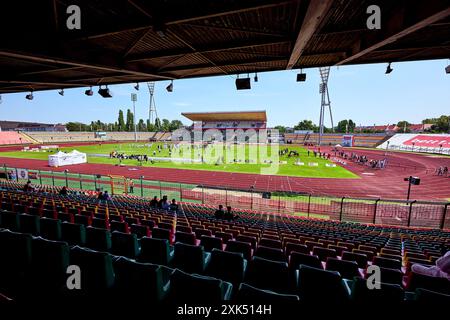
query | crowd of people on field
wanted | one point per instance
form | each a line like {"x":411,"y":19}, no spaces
{"x":442,"y":171}
{"x":123,"y":156}
{"x":363,"y":159}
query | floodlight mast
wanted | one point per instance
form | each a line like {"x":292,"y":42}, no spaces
{"x":152,"y":113}
{"x":325,"y":101}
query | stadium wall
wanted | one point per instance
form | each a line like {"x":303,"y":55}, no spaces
{"x":361,"y":140}
{"x":58,"y":137}
{"x":426,"y":143}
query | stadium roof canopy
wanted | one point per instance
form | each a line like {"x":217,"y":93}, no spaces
{"x":137,"y":40}
{"x":227,"y":116}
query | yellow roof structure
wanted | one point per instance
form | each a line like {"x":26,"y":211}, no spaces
{"x":227,"y":116}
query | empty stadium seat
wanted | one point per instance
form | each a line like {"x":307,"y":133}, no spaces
{"x":209,"y":243}
{"x":98,"y":239}
{"x":431,"y":297}
{"x":190,"y":258}
{"x":239,"y":246}
{"x":114,"y":217}
{"x":73,"y":233}
{"x":184,"y":229}
{"x":227,"y":266}
{"x":16,"y":257}
{"x":270,"y":253}
{"x":137,"y":282}
{"x":249,"y":293}
{"x":50,"y":260}
{"x":97,"y":271}
{"x":387,"y":263}
{"x":156,"y":251}
{"x":296,"y":259}
{"x":50,"y":229}
{"x":148,"y":223}
{"x":360,"y":259}
{"x":29,"y":224}
{"x":321,"y":285}
{"x":295,"y":247}
{"x":131,"y":220}
{"x":393,"y":276}
{"x":140,"y":230}
{"x":207,"y":289}
{"x":184,"y":237}
{"x":258,"y":272}
{"x":81,"y":219}
{"x":250,"y":239}
{"x":324,"y":253}
{"x":64,"y":216}
{"x":124,"y":244}
{"x":347,"y":269}
{"x":100,"y":223}
{"x":10,"y":220}
{"x":162,"y":234}
{"x":388,"y":293}
{"x":225,"y":236}
{"x":202,"y":232}
{"x":119,"y":226}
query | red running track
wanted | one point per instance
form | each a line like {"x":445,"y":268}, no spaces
{"x":373,"y":183}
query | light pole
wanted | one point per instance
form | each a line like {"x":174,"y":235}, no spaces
{"x":134,"y":99}
{"x":411,"y":181}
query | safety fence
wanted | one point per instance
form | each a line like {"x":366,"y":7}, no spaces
{"x":412,"y":213}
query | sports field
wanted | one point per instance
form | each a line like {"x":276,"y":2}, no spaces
{"x":230,"y":158}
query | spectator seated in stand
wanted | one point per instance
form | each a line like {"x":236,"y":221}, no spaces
{"x":219,"y":214}
{"x":63,"y":191}
{"x":154,"y":202}
{"x":173,"y":206}
{"x":228,"y":214}
{"x":163,"y":204}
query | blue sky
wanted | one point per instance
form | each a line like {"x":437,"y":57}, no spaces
{"x":413,"y":91}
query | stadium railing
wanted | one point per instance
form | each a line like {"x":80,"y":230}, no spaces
{"x":413,"y":213}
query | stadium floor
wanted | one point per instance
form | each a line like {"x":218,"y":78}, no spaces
{"x":387,"y":183}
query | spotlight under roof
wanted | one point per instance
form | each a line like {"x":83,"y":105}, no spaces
{"x":61,"y":92}
{"x":447,"y":69}
{"x":301,"y":77}
{"x":136,"y":87}
{"x":105,"y":92}
{"x":29,"y":96}
{"x":169,"y":88}
{"x":89,"y":92}
{"x":243,"y":83}
{"x":389,"y":69}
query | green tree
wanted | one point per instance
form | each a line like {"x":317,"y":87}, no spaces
{"x":141,"y":125}
{"x":351,"y":125}
{"x":342,"y":126}
{"x":165,"y":125}
{"x":175,"y":124}
{"x":403,"y":126}
{"x":120,"y":122}
{"x":129,"y":125}
{"x":439,"y":125}
{"x":281,"y":129}
{"x":306,"y":125}
{"x":151,"y":127}
{"x":76,"y":126}
{"x":157,"y":124}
